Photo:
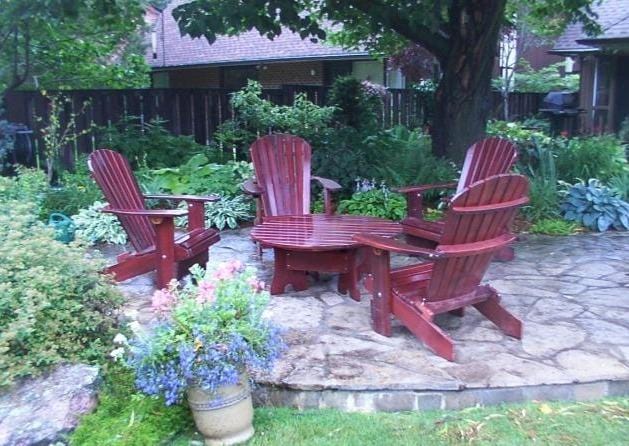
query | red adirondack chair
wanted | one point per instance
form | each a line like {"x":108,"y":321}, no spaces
{"x":490,"y":156}
{"x":450,"y":279}
{"x":150,"y":231}
{"x":282,"y":185}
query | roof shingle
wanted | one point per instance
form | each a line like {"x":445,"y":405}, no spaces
{"x":613,"y":16}
{"x":174,"y":50}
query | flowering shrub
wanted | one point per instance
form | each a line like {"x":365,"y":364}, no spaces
{"x":209,"y":333}
{"x":54,"y":305}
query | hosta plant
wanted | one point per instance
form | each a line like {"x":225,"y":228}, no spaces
{"x":595,"y":206}
{"x":95,"y":226}
{"x":210,"y":332}
{"x":375,"y":203}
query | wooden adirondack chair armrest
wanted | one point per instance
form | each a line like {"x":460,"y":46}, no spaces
{"x":193,"y":198}
{"x":394,"y":245}
{"x":425,"y":187}
{"x":475,"y":248}
{"x":157,"y":213}
{"x":328,"y":184}
{"x":414,"y":198}
{"x":250,"y":187}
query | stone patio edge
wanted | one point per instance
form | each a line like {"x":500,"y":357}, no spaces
{"x":413,"y":400}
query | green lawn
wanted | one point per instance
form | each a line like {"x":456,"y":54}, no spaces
{"x":124,"y":418}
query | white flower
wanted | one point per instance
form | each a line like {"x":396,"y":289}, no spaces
{"x":121,"y":339}
{"x":117,"y":353}
{"x":135,"y":327}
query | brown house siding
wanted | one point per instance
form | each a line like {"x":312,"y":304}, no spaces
{"x":302,"y":73}
{"x":195,"y":78}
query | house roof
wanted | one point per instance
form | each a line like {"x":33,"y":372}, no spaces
{"x":175,"y":50}
{"x":613,"y":17}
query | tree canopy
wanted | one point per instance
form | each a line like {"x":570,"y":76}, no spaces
{"x":71,"y":44}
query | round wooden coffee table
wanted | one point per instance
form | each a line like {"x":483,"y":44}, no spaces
{"x":321,"y":243}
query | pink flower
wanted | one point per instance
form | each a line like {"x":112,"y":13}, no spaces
{"x":224,"y":272}
{"x":257,"y":285}
{"x":206,"y":292}
{"x":163,"y":301}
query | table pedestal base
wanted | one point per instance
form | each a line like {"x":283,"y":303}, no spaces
{"x":291,"y":268}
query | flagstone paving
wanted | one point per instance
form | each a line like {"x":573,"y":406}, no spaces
{"x":572,"y":294}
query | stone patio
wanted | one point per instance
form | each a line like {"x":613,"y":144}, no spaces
{"x":571,"y":292}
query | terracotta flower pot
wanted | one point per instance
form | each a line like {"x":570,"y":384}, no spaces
{"x":224,"y":417}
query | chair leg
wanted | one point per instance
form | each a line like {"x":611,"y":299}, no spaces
{"x":165,"y":247}
{"x":380,"y":284}
{"x":492,"y":310}
{"x":424,"y":329}
{"x":132,"y":265}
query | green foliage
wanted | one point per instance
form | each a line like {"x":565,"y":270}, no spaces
{"x":228,"y":211}
{"x":401,"y":157}
{"x":353,"y":105}
{"x":599,"y":157}
{"x":56,"y":44}
{"x":543,"y":191}
{"x":54,"y":304}
{"x":255,"y":116}
{"x":623,"y":133}
{"x":376,"y":203}
{"x":7,"y":141}
{"x":125,"y":417}
{"x":595,"y":206}
{"x":30,"y":185}
{"x":549,"y":78}
{"x":95,"y":226}
{"x":620,"y":184}
{"x":341,"y":156}
{"x":76,"y":191}
{"x":198,"y":176}
{"x":553,"y":226}
{"x":58,"y":129}
{"x":150,"y":144}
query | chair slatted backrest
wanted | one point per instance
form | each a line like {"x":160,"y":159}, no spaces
{"x":282,"y":168}
{"x":488,"y":157}
{"x":481,"y":212}
{"x":113,"y":174}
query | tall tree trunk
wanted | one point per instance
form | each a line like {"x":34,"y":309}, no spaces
{"x":463,"y":97}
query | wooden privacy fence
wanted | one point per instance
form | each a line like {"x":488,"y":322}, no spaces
{"x":198,"y":112}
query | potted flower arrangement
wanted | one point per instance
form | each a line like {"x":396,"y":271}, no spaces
{"x":209,"y":340}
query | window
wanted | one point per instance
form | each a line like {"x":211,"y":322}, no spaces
{"x":234,"y":78}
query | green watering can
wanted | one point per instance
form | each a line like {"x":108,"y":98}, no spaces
{"x":63,"y":226}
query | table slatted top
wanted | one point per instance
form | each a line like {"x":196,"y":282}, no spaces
{"x":320,"y":232}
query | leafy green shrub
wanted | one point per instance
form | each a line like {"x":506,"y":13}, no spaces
{"x":599,"y":157}
{"x":76,"y":191}
{"x":620,"y":183}
{"x":28,"y":185}
{"x":198,"y":177}
{"x":375,"y":203}
{"x":7,"y":141}
{"x":54,"y":305}
{"x":543,"y":191}
{"x":354,"y":105}
{"x":95,"y":226}
{"x":149,"y":143}
{"x":553,"y":226}
{"x":255,"y":116}
{"x":228,"y":211}
{"x":529,"y":80}
{"x":595,"y":206}
{"x":402,"y":157}
{"x":623,"y":133}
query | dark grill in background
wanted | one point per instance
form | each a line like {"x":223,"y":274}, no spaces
{"x":561,"y":107}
